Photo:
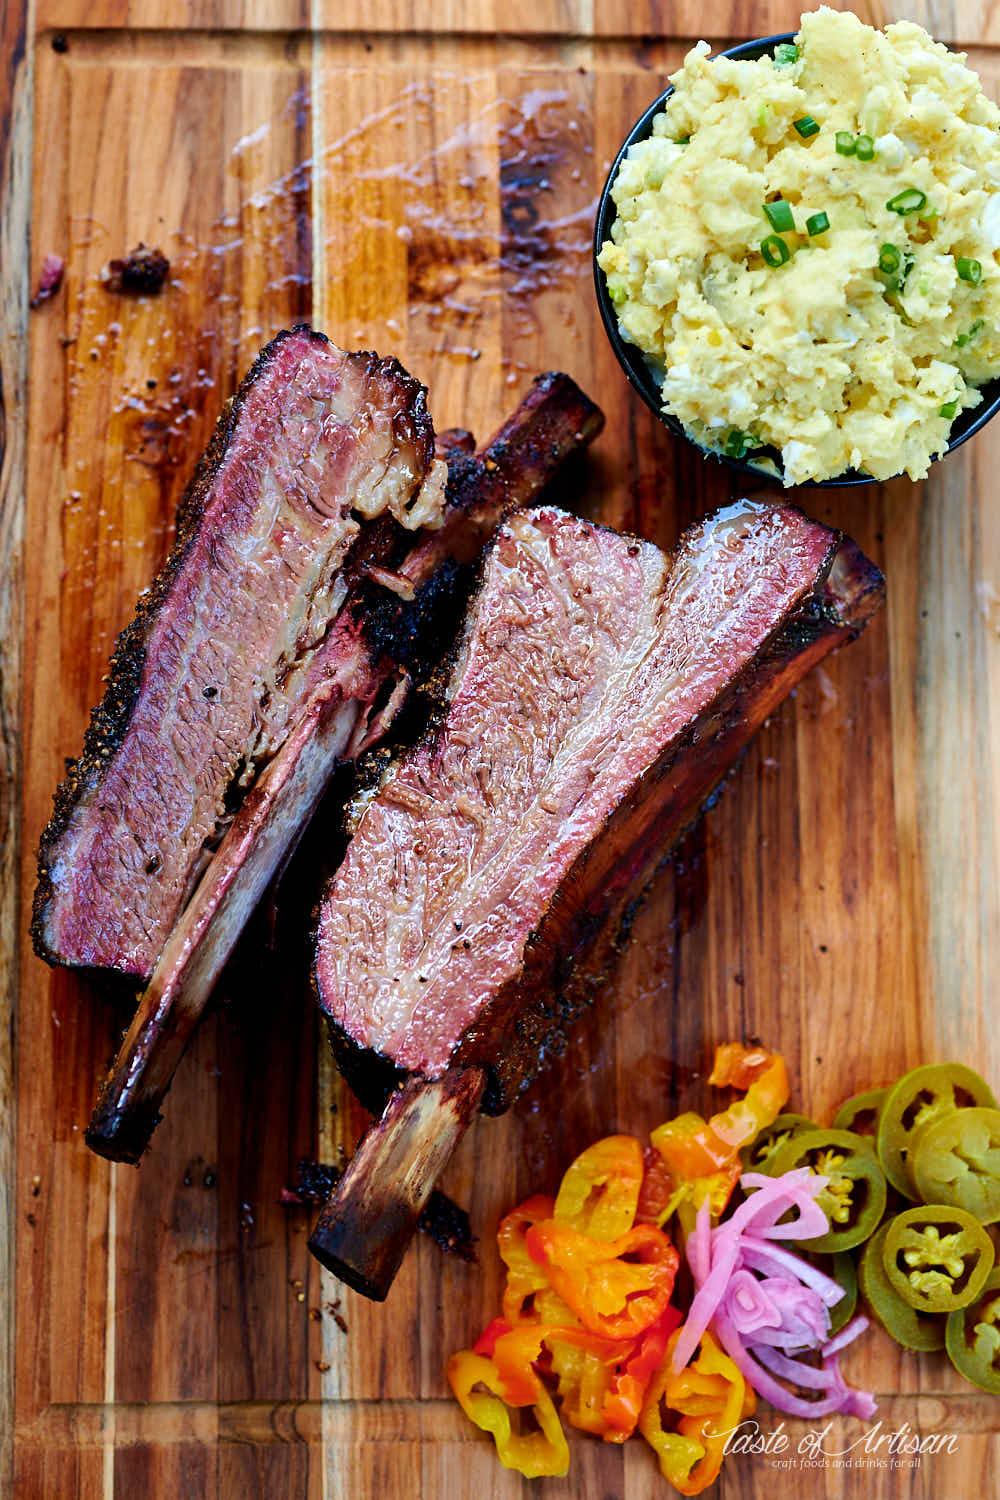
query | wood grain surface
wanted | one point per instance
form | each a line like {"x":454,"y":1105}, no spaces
{"x":418,"y":183}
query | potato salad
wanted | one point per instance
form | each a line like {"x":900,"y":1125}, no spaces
{"x":805,"y":249}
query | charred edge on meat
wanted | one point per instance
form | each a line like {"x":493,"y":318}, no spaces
{"x":110,"y":718}
{"x":535,"y":441}
{"x":562,"y":981}
{"x":422,"y":637}
{"x":440,"y":610}
{"x":411,"y":633}
{"x":453,"y":441}
{"x":370,"y":1075}
{"x":382,"y":542}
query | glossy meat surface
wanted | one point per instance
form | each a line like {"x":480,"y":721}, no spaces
{"x":223,"y":652}
{"x":601,"y":690}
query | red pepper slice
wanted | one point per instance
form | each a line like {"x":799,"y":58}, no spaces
{"x":624,"y":1400}
{"x":514,"y":1354}
{"x":487,"y":1340}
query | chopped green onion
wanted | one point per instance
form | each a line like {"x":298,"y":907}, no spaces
{"x":888,"y":259}
{"x":774,"y":251}
{"x":865,"y":148}
{"x":779,"y":215}
{"x":817,"y":223}
{"x":908,"y":201}
{"x":617,"y":293}
{"x":969,"y":270}
{"x":738,"y":443}
{"x":948,"y":410}
{"x":846,"y":144}
{"x":806,"y":127}
{"x":682,"y":140}
{"x":785,"y":53}
{"x":966,"y":338}
{"x":894,"y":267}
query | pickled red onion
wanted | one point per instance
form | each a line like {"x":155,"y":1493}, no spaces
{"x":767,"y":1304}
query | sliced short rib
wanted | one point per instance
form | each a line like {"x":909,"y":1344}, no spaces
{"x":316,"y":446}
{"x":601,"y":690}
{"x":404,"y":606}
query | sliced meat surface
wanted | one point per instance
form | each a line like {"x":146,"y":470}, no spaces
{"x":227,"y":645}
{"x":600,"y":692}
{"x":384,"y":631}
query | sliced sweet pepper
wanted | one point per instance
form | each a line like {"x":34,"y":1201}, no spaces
{"x":514,"y":1354}
{"x":533,"y":1454}
{"x":487,"y":1340}
{"x":600,"y":1190}
{"x":663,"y":1194}
{"x":525,"y":1280}
{"x":602,"y":1382}
{"x":627,"y":1392}
{"x":693,"y":1147}
{"x":659,"y":1193}
{"x":737,"y":1066}
{"x":717,"y":1187}
{"x":711,"y":1397}
{"x":611,"y":1295}
{"x":584,"y":1365}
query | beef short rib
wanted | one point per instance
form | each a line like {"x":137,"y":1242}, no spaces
{"x":599,"y":693}
{"x":205,"y":682}
{"x":404,"y":599}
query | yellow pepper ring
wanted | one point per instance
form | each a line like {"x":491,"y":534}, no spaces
{"x":535,"y":1454}
{"x":711,"y":1398}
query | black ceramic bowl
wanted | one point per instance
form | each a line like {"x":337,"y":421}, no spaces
{"x":633,"y":361}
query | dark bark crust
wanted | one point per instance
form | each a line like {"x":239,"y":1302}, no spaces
{"x":412,"y":633}
{"x":110,"y":719}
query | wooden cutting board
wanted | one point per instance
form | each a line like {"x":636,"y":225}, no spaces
{"x":422,"y":181}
